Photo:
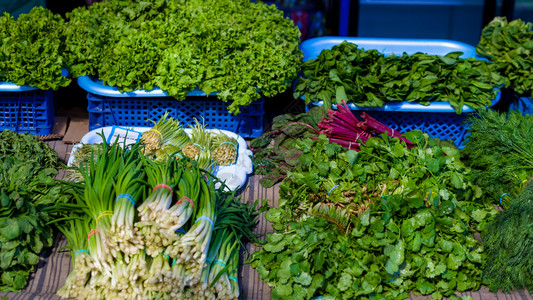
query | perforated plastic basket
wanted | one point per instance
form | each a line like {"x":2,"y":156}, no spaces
{"x":108,"y":106}
{"x":108,"y":111}
{"x":28,"y":111}
{"x":438,"y":119}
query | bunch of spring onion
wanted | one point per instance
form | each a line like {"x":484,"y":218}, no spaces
{"x":128,"y":193}
{"x":235,"y":224}
{"x":191,"y":249}
{"x":214,"y":224}
{"x":341,"y":126}
{"x":156,"y":227}
{"x":76,"y":231}
{"x":225,"y":149}
{"x":166,"y":132}
{"x":199,"y":146}
{"x":97,"y":194}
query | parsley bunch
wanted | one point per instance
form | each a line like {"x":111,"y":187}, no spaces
{"x":31,"y":49}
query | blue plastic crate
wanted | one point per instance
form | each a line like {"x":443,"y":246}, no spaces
{"x":522,"y":104}
{"x":108,"y":106}
{"x":438,"y":119}
{"x":28,"y":111}
{"x":108,"y":111}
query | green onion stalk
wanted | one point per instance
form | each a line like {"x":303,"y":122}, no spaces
{"x":200,"y":141}
{"x":233,"y":271}
{"x":82,"y":156}
{"x":193,"y":246}
{"x":188,"y":191}
{"x":162,"y":177}
{"x":129,"y":192}
{"x":158,"y":275}
{"x":202,"y":289}
{"x":82,"y":263}
{"x":165,"y":129}
{"x":173,"y":146}
{"x":97,"y":197}
{"x":225,"y":149}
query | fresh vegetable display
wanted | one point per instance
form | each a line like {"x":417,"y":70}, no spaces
{"x":507,"y":242}
{"x":32,"y":49}
{"x":239,"y":49}
{"x":149,"y":228}
{"x":398,"y":216}
{"x":369,"y":78}
{"x":167,"y":138}
{"x":498,"y":149}
{"x":29,"y":200}
{"x":276,"y":153}
{"x":509,"y":46}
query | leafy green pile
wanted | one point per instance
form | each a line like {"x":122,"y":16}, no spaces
{"x":378,"y":223}
{"x":508,"y":245}
{"x":274,"y":151}
{"x":369,"y":78}
{"x":236,"y":48}
{"x":498,"y":148}
{"x":29,"y":199}
{"x":31,"y":49}
{"x":398,"y":246}
{"x":509,"y":45}
{"x":27,"y":147}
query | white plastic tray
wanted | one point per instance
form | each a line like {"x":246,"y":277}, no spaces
{"x":234,"y":175}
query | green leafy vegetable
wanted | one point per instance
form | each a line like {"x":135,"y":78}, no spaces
{"x":509,"y":46}
{"x":369,"y":78}
{"x":508,"y":244}
{"x":240,"y":49}
{"x":498,"y":149}
{"x":29,"y":199}
{"x":31,"y":49}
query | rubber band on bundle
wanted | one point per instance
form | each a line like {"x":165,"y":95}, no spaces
{"x":220,"y":262}
{"x":103,"y":214}
{"x":206,"y":218}
{"x":82,"y":250}
{"x":94,"y":231}
{"x":186,"y":199}
{"x":333,"y":188}
{"x":226,"y":142}
{"x":163,"y":186}
{"x":126,"y":196}
{"x":501,"y":197}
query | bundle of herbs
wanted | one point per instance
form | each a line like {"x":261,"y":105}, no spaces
{"x":508,"y":245}
{"x":381,"y":222}
{"x":153,"y":229}
{"x":32,"y":48}
{"x":30,"y":200}
{"x":341,"y":126}
{"x":509,"y":46}
{"x":275,"y":153}
{"x":498,"y":149}
{"x":369,"y":78}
